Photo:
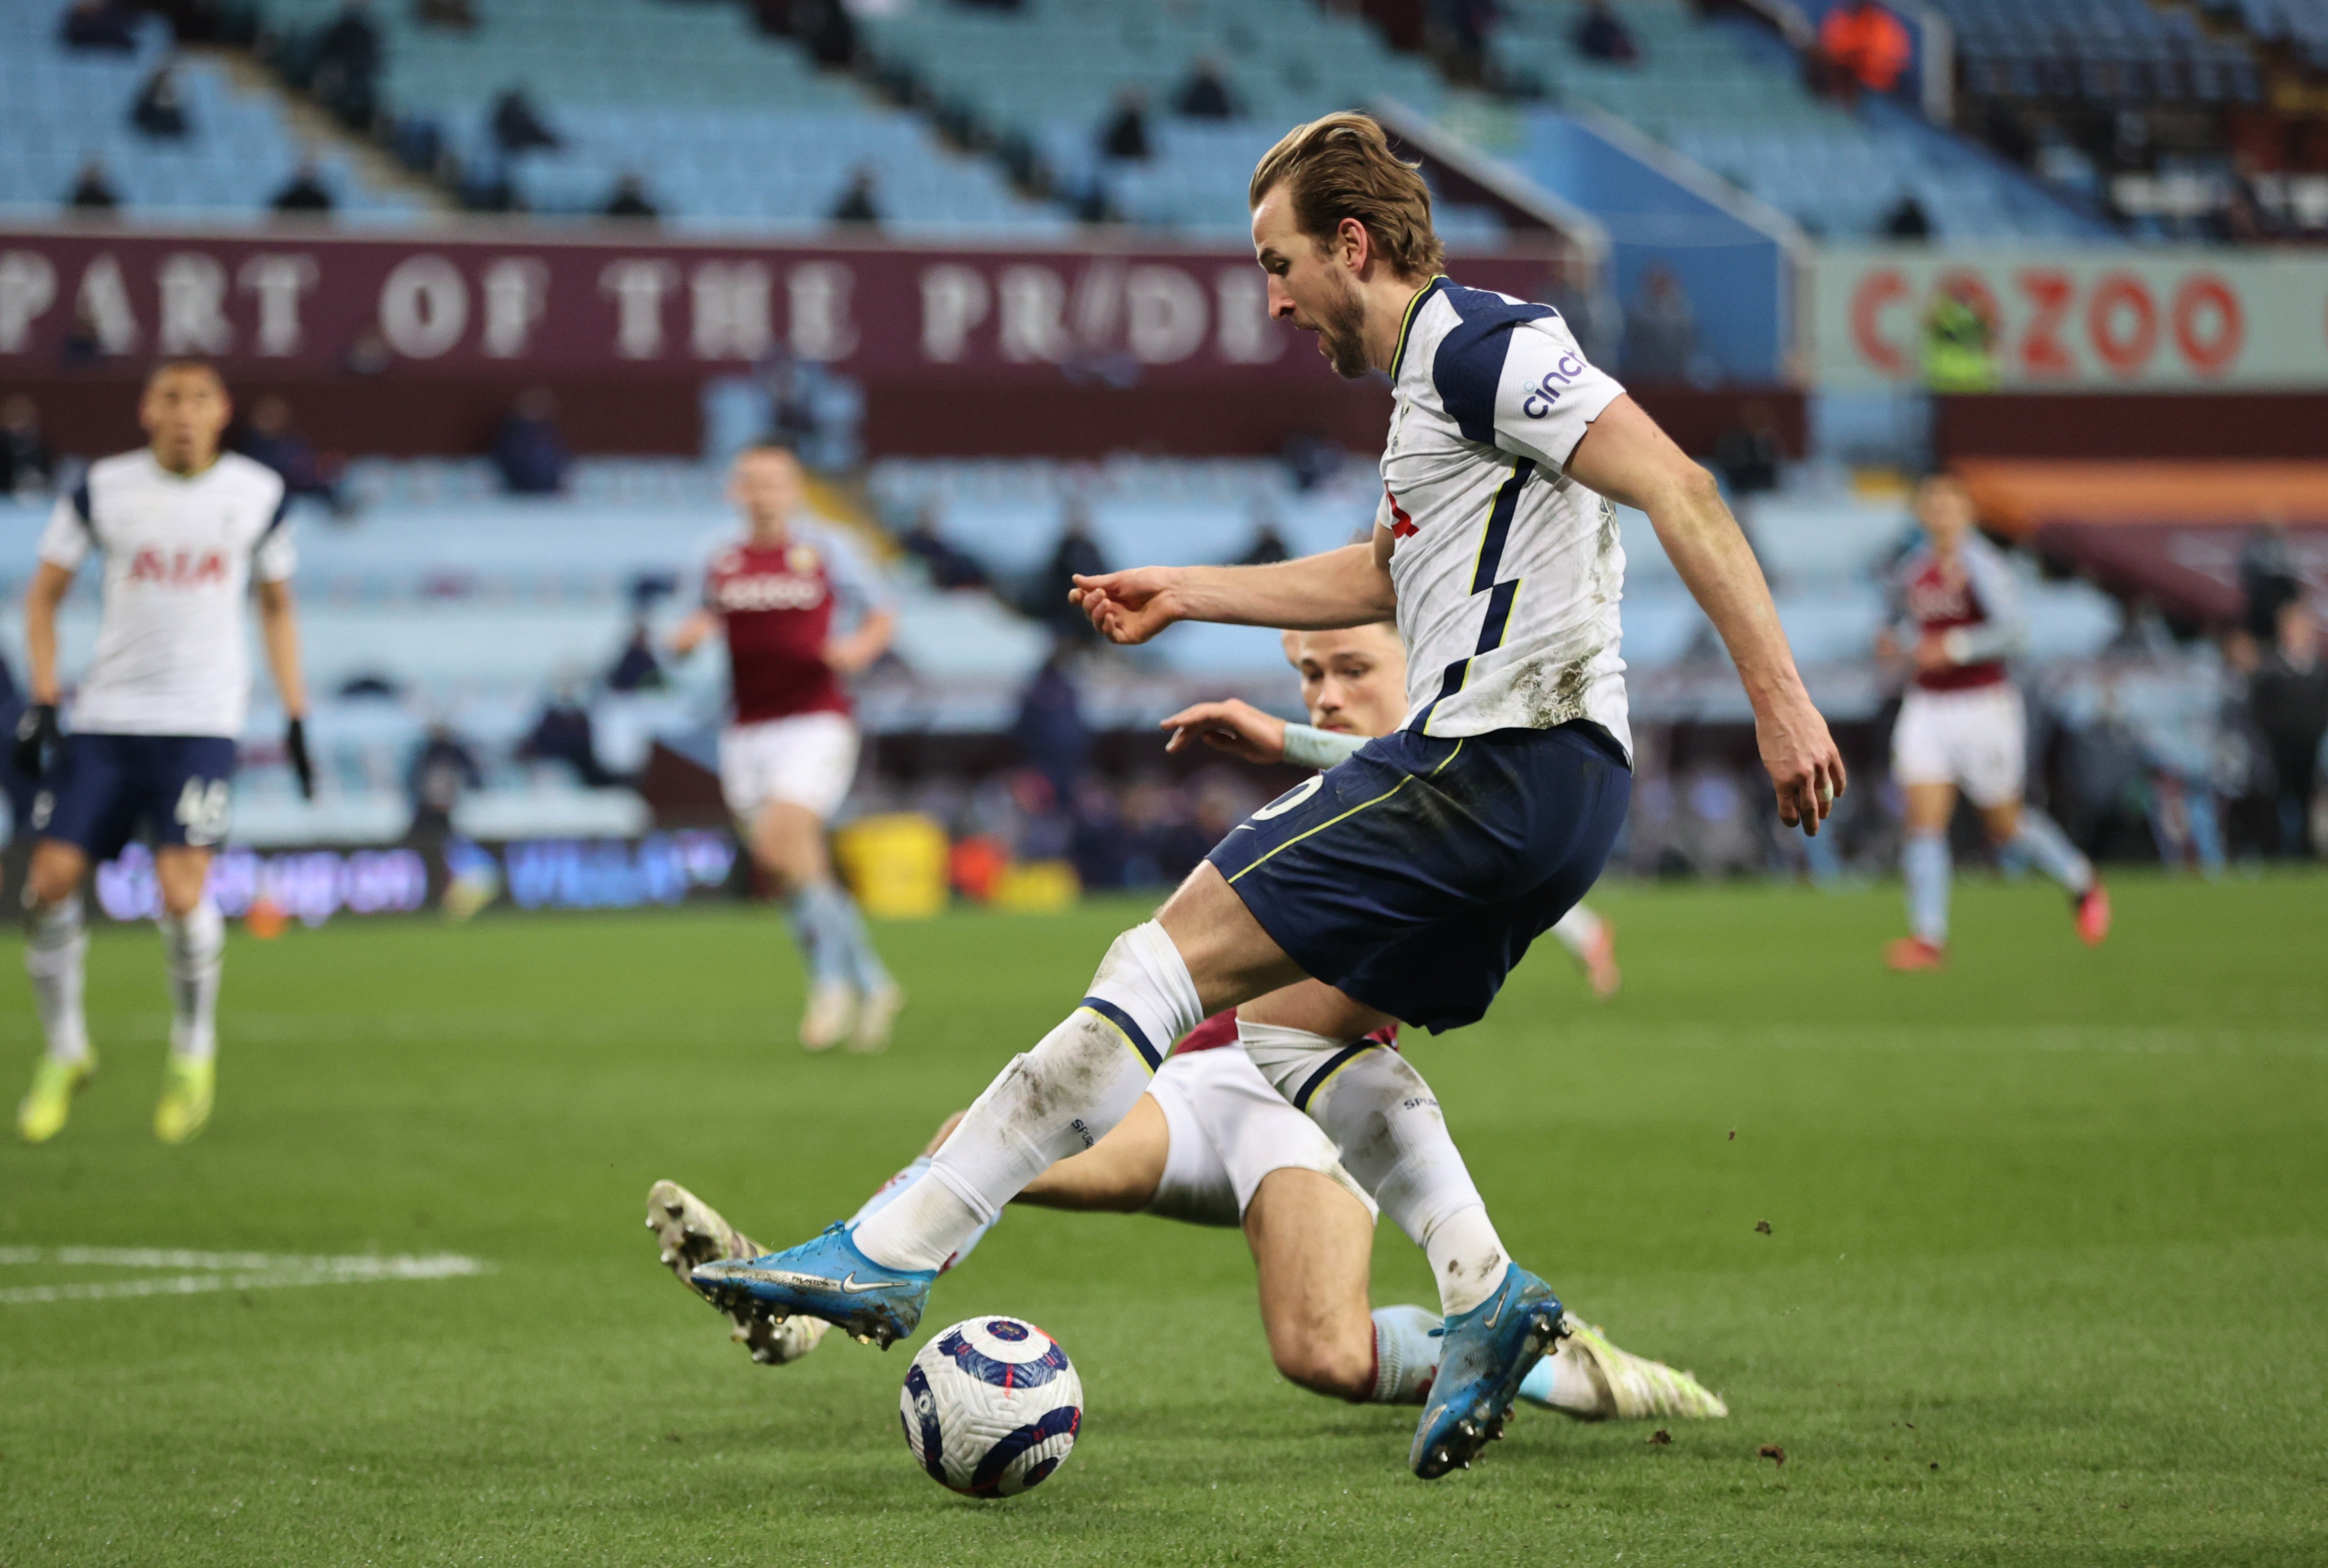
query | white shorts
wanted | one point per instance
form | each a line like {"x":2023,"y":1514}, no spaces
{"x":1976,"y":739}
{"x":1228,"y":1130}
{"x":807,"y":760}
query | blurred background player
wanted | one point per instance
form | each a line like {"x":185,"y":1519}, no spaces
{"x":1962,"y":725}
{"x":186,"y":533}
{"x":789,"y":753}
{"x":1211,"y":1143}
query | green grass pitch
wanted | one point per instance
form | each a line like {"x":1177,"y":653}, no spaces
{"x":2045,"y":1282}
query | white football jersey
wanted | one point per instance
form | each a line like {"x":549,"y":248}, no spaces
{"x":1508,"y":573}
{"x":180,"y":554}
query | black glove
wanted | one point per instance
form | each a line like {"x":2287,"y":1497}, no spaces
{"x":295,"y":748}
{"x":36,"y":737}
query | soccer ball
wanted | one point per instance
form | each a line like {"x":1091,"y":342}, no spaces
{"x":992,"y":1407}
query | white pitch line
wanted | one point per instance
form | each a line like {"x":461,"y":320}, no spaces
{"x":222,"y":1271}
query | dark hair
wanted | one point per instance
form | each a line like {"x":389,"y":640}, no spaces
{"x":1341,"y":167}
{"x":184,"y":362}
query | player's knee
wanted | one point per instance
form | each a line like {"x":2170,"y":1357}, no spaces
{"x":53,"y":877}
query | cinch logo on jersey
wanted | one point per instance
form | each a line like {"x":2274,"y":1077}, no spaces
{"x":178,"y":570}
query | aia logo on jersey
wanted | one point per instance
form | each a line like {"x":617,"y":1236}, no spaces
{"x":768,"y":591}
{"x":183,"y":569}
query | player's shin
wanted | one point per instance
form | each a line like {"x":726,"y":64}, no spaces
{"x":1386,"y":1123}
{"x":1925,"y":864}
{"x":194,"y":948}
{"x":2049,"y":848}
{"x":56,"y":952}
{"x":1056,"y":1100}
{"x":889,"y":1192}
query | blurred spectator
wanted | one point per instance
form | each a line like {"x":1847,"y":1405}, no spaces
{"x":1959,"y":343}
{"x":1750,"y":456}
{"x":1268,"y":547}
{"x":1580,"y":293}
{"x":1204,"y":96}
{"x":1601,"y":35}
{"x":529,"y":450}
{"x":1125,"y":134}
{"x":563,"y":733}
{"x":1861,"y":45}
{"x":26,"y":464}
{"x":629,"y":200}
{"x":347,"y":61}
{"x":948,"y":567}
{"x":305,"y":192}
{"x":100,"y":24}
{"x":2268,"y":580}
{"x":1312,"y":459}
{"x":453,"y":15}
{"x":518,"y":127}
{"x":991,"y":4}
{"x":856,"y":203}
{"x":636,"y":668}
{"x":268,"y":436}
{"x":1049,"y":728}
{"x":2289,"y":699}
{"x":442,"y":768}
{"x":92,"y":191}
{"x":1076,"y":555}
{"x":1908,"y":220}
{"x":159,"y":112}
{"x":826,"y":28}
{"x":84,"y":340}
{"x":1456,"y":35}
{"x":1660,"y":331}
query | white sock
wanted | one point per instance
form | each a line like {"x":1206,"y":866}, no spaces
{"x":1406,"y":1353}
{"x":1563,"y":1381}
{"x":56,"y":950}
{"x":1578,"y":931}
{"x":1394,"y":1142}
{"x":195,"y":950}
{"x":1056,"y":1100}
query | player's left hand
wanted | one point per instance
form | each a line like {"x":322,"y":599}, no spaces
{"x":1801,"y":757}
{"x":295,"y":751}
{"x":847,"y":655}
{"x":1128,"y":607}
{"x":1239,"y":728}
{"x":36,"y":738}
{"x":1932,"y":654}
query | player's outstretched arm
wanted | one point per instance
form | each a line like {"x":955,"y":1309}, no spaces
{"x":1237,"y":727}
{"x":51,"y":583}
{"x":1624,"y":456}
{"x":691,"y":633}
{"x":1349,"y":587}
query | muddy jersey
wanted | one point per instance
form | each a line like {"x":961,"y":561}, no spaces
{"x":1972,"y":604}
{"x":1509,"y":572}
{"x":180,"y":554}
{"x":779,"y":605}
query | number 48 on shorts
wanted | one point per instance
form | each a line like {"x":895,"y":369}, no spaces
{"x":203,"y":807}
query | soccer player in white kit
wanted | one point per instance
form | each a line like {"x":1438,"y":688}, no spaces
{"x":1404,"y":883}
{"x":1962,"y":725}
{"x":800,"y":611}
{"x":188,"y":535}
{"x":1212,"y":1142}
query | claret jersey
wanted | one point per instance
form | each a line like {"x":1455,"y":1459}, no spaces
{"x":778,"y":604}
{"x":1973,"y":604}
{"x":180,"y":554}
{"x":1508,"y":573}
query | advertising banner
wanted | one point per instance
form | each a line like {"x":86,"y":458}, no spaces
{"x":463,"y":303}
{"x":2083,"y":320}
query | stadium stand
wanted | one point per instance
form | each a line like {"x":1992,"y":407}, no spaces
{"x":1046,"y":79}
{"x":65,"y":110}
{"x":1728,"y":93}
{"x":724,"y":126}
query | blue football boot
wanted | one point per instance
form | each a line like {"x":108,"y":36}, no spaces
{"x":827,"y":1277}
{"x":1483,"y":1356}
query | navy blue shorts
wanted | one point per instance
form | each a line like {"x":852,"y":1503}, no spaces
{"x":103,"y":787}
{"x":1412,"y":876}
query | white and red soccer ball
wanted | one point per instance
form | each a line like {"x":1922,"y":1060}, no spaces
{"x":991,"y":1406}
